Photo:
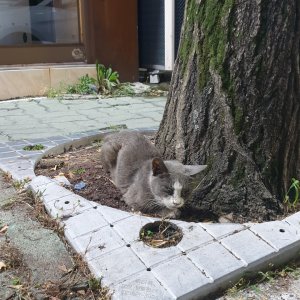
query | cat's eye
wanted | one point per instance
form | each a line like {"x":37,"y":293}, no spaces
{"x":170,"y":190}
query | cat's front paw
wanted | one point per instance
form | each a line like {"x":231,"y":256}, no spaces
{"x":172,"y":214}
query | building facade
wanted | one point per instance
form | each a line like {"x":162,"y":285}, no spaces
{"x":124,"y":34}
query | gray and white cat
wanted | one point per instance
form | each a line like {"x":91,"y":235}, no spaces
{"x":148,"y":183}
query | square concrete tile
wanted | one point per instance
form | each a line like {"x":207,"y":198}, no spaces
{"x":141,"y":286}
{"x":116,"y":265}
{"x":215,"y":260}
{"x":97,"y":243}
{"x":294,"y":219}
{"x":67,"y":206}
{"x":193,"y":236}
{"x":182,"y":278}
{"x":248,"y":247}
{"x":54,"y":191}
{"x":279,"y":234}
{"x":151,"y":256}
{"x":39,"y":181}
{"x":112,"y":215}
{"x":87,"y":221}
{"x":129,"y":228}
{"x":221,"y":230}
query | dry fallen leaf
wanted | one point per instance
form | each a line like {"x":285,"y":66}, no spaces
{"x":81,"y":292}
{"x":2,"y":265}
{"x":3,"y":229}
{"x":17,"y":287}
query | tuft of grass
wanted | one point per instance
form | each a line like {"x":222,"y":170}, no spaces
{"x":123,"y":90}
{"x":35,"y":147}
{"x":79,"y":171}
{"x":291,"y":198}
{"x":20,"y":184}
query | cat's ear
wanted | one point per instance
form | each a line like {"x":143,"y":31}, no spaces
{"x":191,"y":170}
{"x":158,"y":167}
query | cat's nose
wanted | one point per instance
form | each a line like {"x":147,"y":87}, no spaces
{"x":178,"y":202}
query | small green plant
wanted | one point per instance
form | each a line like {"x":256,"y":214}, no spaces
{"x":123,"y":90}
{"x":35,"y":147}
{"x":94,"y":284}
{"x":20,"y":184}
{"x":52,"y":93}
{"x":107,"y":79}
{"x":291,"y":198}
{"x":16,"y":281}
{"x":83,"y":87}
{"x":79,"y":171}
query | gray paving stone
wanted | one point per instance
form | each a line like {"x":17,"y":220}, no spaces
{"x":85,"y":222}
{"x":11,"y":154}
{"x":112,"y":215}
{"x":182,"y":278}
{"x":193,"y":235}
{"x":129,"y":228}
{"x":22,"y":174}
{"x":278,"y":234}
{"x":151,"y":256}
{"x":97,"y":243}
{"x":54,"y":191}
{"x":17,"y":143}
{"x":216,"y":261}
{"x":221,"y":230}
{"x":294,"y":219}
{"x":141,"y":286}
{"x":32,"y":153}
{"x":248,"y":247}
{"x":4,"y":149}
{"x":67,"y":206}
{"x":116,"y":265}
{"x":39,"y":181}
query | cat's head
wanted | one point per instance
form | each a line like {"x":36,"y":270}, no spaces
{"x":169,"y":181}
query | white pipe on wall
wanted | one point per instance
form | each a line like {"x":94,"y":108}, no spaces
{"x":169,"y":34}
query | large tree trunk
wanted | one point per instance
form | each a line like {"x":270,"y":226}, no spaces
{"x":234,"y":103}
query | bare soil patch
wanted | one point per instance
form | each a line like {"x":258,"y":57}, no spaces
{"x":83,"y":165}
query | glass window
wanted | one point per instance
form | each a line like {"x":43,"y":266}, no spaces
{"x":39,"y":22}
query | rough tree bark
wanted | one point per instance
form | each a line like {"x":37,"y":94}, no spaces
{"x":234,"y":103}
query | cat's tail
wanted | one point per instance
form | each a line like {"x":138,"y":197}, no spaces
{"x":109,"y":154}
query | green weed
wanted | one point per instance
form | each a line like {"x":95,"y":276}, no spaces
{"x":107,"y":79}
{"x":35,"y":147}
{"x":291,"y":198}
{"x":79,"y":171}
{"x":83,"y":87}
